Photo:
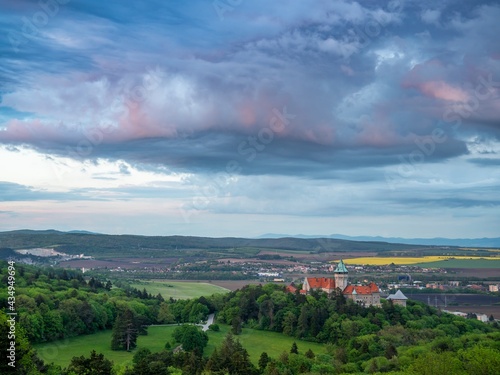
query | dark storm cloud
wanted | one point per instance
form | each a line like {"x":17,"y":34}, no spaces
{"x":180,"y":86}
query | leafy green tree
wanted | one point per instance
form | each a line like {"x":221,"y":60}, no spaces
{"x":96,"y":364}
{"x":53,"y":325}
{"x":197,"y":313}
{"x":141,"y":355}
{"x":214,"y":327}
{"x":390,"y":351}
{"x":70,"y":313}
{"x":236,"y":324}
{"x":191,"y":338}
{"x":480,"y":361}
{"x":165,"y":315}
{"x":431,"y":363}
{"x":289,"y":323}
{"x":294,"y":349}
{"x":323,"y":369}
{"x":147,"y":363}
{"x":108,"y":285}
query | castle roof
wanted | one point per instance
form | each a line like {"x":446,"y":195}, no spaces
{"x":341,"y":268}
{"x":362,"y":289}
{"x":398,"y":295}
{"x":321,"y":282}
{"x":291,"y":289}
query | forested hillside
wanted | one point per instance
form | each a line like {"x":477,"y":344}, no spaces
{"x":139,"y":246}
{"x":55,"y":303}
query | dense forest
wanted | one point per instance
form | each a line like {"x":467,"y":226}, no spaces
{"x":417,"y":339}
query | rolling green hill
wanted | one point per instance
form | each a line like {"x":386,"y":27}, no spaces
{"x":102,"y":245}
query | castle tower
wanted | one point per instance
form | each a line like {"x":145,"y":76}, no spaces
{"x":341,"y":275}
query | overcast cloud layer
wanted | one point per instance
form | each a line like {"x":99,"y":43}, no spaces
{"x":237,"y":118}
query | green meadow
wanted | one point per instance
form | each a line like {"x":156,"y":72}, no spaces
{"x":60,"y":352}
{"x":178,"y":289}
{"x":255,"y":342}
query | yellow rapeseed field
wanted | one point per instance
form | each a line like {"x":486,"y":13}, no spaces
{"x":379,"y":261}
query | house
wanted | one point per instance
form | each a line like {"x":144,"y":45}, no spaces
{"x":326,"y":284}
{"x":482,"y":318}
{"x":398,"y":298}
{"x":366,"y":295}
{"x":292,"y":289}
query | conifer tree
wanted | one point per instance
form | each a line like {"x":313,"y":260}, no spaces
{"x":124,"y":332}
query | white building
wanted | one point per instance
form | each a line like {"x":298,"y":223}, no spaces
{"x":494,"y":288}
{"x":482,"y":318}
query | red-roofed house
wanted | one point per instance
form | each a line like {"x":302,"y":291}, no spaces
{"x":291,"y":289}
{"x":326,"y":284}
{"x":367,"y":295}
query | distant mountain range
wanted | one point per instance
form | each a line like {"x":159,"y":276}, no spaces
{"x":438,"y":241}
{"x":78,"y":241}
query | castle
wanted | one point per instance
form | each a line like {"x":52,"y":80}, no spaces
{"x":367,"y":295}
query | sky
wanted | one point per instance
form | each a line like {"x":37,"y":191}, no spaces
{"x":240,"y":118}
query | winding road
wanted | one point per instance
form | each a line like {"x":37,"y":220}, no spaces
{"x":210,"y":320}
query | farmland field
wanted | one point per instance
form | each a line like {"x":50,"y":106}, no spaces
{"x":464,"y":263}
{"x":430,"y":261}
{"x":255,"y":341}
{"x":179,"y":289}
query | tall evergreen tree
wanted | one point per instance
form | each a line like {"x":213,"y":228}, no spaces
{"x":263,"y":361}
{"x":236,"y":324}
{"x":124,"y":332}
{"x":231,"y":359}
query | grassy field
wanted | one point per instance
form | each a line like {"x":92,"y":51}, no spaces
{"x":429,"y":261}
{"x":179,"y":289}
{"x":255,"y":341}
{"x":60,"y":352}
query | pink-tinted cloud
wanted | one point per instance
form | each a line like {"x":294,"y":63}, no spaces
{"x":442,"y":90}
